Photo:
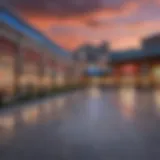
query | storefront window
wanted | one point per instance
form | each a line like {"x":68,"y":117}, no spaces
{"x":6,"y":70}
{"x":156,"y":73}
{"x":31,"y":69}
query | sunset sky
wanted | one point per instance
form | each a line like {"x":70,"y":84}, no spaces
{"x":71,"y":23}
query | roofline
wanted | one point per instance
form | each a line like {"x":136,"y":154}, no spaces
{"x":9,"y":9}
{"x":152,"y":36}
{"x":146,"y":57}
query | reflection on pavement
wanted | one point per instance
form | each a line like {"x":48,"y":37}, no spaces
{"x":30,"y":114}
{"x":7,"y":122}
{"x":47,"y":107}
{"x":60,"y":101}
{"x":52,"y":109}
{"x":94,"y":92}
{"x":156,"y":96}
{"x":127,"y":101}
{"x":90,"y":127}
{"x":7,"y":125}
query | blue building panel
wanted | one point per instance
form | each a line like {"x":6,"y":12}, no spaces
{"x":155,"y":49}
{"x":126,"y":55}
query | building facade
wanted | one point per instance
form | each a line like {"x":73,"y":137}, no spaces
{"x":151,"y":47}
{"x":28,"y":60}
{"x":138,"y":67}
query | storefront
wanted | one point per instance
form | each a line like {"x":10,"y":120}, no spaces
{"x":21,"y":65}
{"x":8,"y":55}
{"x":144,"y":78}
{"x":49,"y":72}
{"x":30,"y":76}
{"x":156,"y":74}
{"x":70,"y":73}
{"x":60,"y":76}
{"x":129,"y":74}
{"x":115,"y":76}
{"x":7,"y":62}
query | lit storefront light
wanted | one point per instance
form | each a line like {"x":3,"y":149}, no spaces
{"x":156,"y":73}
{"x":49,"y":70}
{"x":7,"y":68}
{"x":129,"y":74}
{"x":60,"y":79}
{"x":47,"y":81}
{"x":30,"y":69}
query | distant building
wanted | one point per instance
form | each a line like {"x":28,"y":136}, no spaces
{"x":151,"y":45}
{"x":92,"y":55}
{"x":140,"y":67}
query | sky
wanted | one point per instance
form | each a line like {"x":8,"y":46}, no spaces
{"x":72,"y":23}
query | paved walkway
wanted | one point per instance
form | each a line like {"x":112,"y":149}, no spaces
{"x":119,"y":124}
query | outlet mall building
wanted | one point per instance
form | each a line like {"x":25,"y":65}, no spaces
{"x":28,"y":59}
{"x":138,"y":67}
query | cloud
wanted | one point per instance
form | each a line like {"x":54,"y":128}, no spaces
{"x":60,"y":8}
{"x":93,"y":19}
{"x":71,"y":23}
{"x":140,"y":26}
{"x":126,"y":42}
{"x":75,"y":9}
{"x":124,"y":9}
{"x":70,"y":41}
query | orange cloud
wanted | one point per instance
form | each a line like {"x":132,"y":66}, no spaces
{"x":133,"y":34}
{"x":95,"y":17}
{"x":71,"y":42}
{"x":125,"y":42}
{"x":124,"y":10}
{"x":144,"y":25}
